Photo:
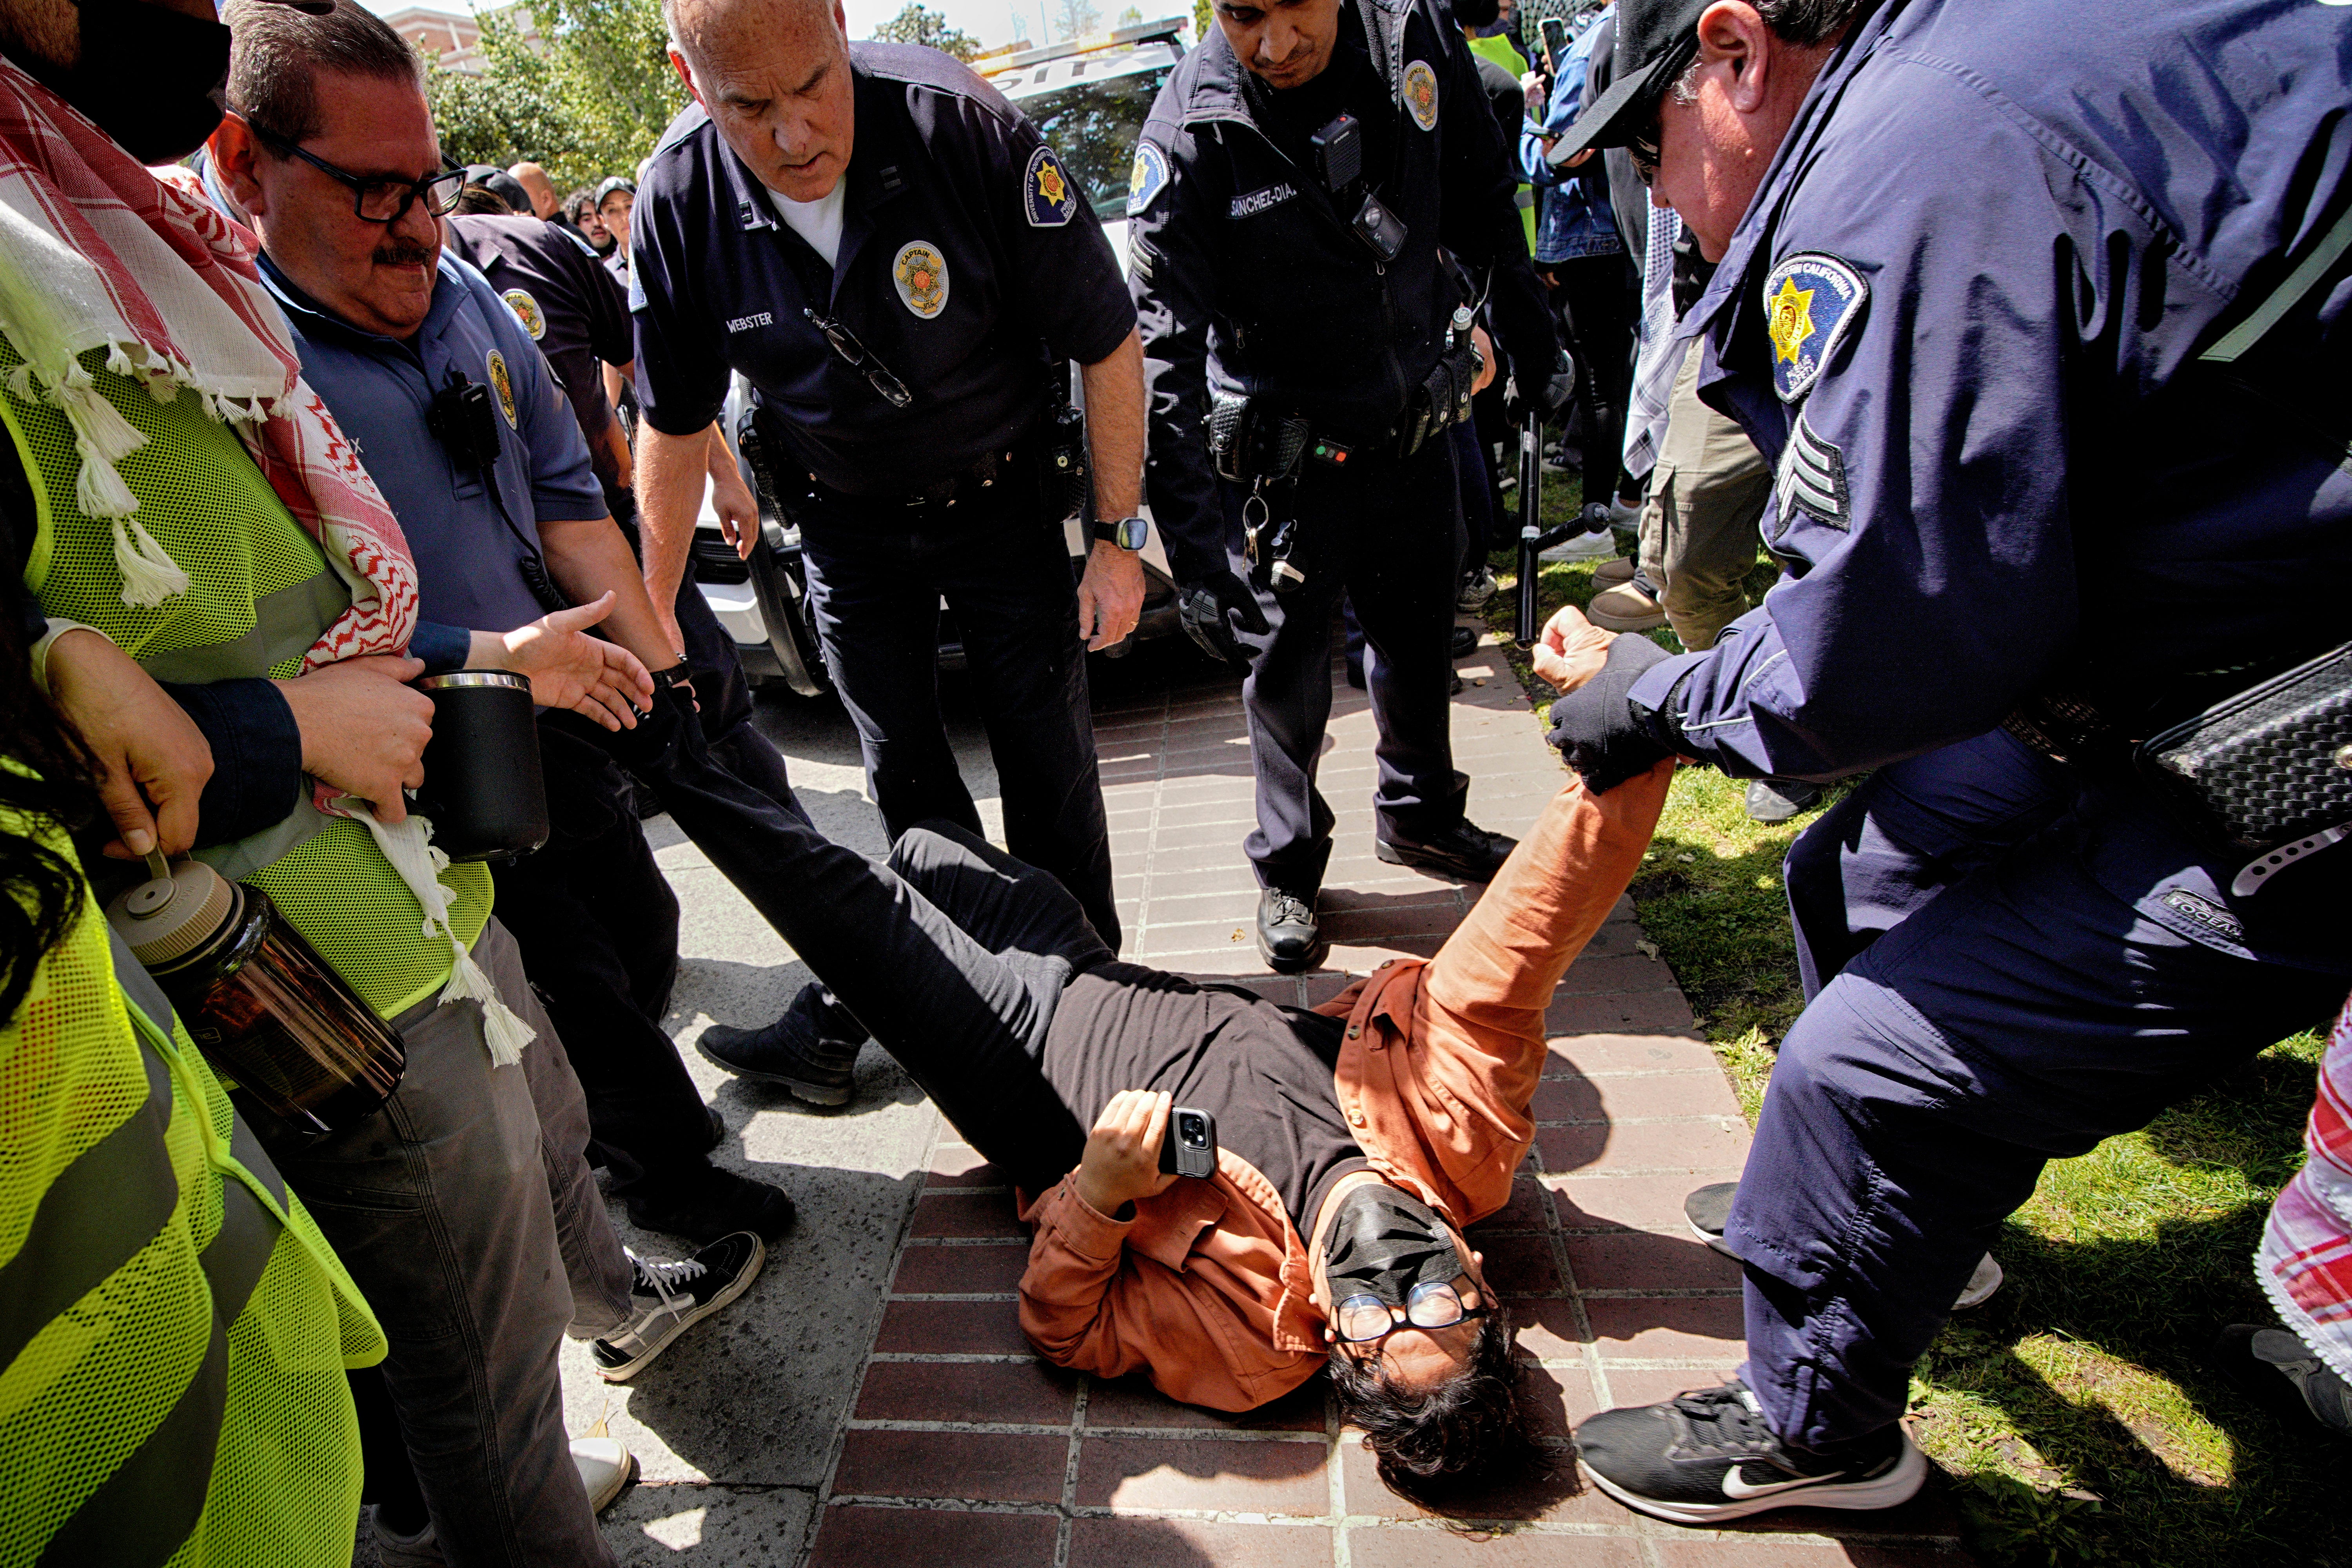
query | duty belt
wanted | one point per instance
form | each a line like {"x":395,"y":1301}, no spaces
{"x":965,"y":484}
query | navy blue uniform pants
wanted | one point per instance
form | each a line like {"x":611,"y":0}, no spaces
{"x":877,"y":574}
{"x":1386,"y":533}
{"x":1979,"y":1004}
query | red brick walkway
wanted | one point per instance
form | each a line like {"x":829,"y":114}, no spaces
{"x":963,"y":1448}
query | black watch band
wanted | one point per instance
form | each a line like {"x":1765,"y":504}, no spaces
{"x":1127,"y":532}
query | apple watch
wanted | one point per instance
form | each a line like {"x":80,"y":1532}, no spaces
{"x":1127,"y":532}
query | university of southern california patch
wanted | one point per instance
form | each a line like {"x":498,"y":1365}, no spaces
{"x":527,"y":311}
{"x":1810,"y":300}
{"x":1148,"y":179}
{"x":1421,"y":94}
{"x":920,"y":273}
{"x":1048,"y":193}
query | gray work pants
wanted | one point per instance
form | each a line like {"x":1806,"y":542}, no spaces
{"x":1698,"y":527}
{"x":465,"y":1211}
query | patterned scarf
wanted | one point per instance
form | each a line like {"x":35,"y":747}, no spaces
{"x":2306,"y":1263}
{"x":99,"y":252}
{"x":96,"y":252}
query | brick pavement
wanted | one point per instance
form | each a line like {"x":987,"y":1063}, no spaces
{"x":963,"y":1448}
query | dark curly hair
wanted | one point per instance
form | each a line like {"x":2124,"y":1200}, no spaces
{"x":1467,"y":1430}
{"x":40,"y":891}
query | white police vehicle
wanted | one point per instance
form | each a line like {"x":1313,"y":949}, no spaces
{"x":1089,"y":98}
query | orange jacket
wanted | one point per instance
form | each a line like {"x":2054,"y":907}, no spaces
{"x":1207,"y":1288}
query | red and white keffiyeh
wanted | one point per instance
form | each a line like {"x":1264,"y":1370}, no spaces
{"x":2306,"y":1263}
{"x":97,"y":253}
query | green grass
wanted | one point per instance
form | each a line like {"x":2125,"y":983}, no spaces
{"x":2074,"y":1413}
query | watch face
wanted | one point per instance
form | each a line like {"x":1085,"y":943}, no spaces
{"x":1128,"y":533}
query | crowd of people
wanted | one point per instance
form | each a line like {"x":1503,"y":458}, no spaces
{"x":316,"y":452}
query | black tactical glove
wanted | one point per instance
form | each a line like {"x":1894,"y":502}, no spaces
{"x":1207,"y":608}
{"x":1549,"y":399}
{"x":1594,"y":727}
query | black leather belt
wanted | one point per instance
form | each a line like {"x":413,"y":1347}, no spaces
{"x":964,"y":485}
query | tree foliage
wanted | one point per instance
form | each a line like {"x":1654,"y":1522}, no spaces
{"x":586,"y":96}
{"x":918,"y":24}
{"x":1076,"y":18}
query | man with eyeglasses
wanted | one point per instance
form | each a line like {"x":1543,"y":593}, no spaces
{"x":2038,"y":312}
{"x":900,"y":266}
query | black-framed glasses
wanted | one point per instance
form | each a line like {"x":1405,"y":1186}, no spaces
{"x":377,"y":199}
{"x":860,"y":359}
{"x":1433,"y":1304}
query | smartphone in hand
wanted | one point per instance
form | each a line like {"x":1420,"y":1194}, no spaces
{"x":1188,"y":1148}
{"x":1555,"y":43}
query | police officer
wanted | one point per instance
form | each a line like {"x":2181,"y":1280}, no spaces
{"x":897,"y":262}
{"x":1291,"y":191}
{"x":2029,"y":522}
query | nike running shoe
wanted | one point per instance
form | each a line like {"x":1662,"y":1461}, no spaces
{"x":1707,"y":1456}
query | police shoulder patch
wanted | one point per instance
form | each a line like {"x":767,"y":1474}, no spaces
{"x":920,"y":273}
{"x":1047,"y":195}
{"x":527,"y":311}
{"x":1811,"y":478}
{"x":1421,"y":94}
{"x":503,"y":384}
{"x":1810,"y":301}
{"x":1147,"y":179}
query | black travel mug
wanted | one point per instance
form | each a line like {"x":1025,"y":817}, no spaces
{"x":483,"y":792}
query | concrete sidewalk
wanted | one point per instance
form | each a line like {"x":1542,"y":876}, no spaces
{"x":871,"y":1401}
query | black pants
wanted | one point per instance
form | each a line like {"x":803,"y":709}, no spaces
{"x":1598,"y":307}
{"x":877,"y":574}
{"x":598,"y":928}
{"x":1384,"y":530}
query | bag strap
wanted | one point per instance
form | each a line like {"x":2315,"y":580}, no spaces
{"x":2308,"y":275}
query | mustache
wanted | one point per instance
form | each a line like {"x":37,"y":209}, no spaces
{"x":401,"y":253}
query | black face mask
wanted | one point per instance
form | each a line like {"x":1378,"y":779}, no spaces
{"x":151,"y":77}
{"x":1384,"y":1242}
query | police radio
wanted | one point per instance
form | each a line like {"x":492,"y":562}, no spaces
{"x":1339,"y":165}
{"x":464,"y":420}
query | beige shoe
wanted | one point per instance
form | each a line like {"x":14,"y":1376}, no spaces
{"x":1609,"y":573}
{"x":1624,"y":608}
{"x":604,"y":1465}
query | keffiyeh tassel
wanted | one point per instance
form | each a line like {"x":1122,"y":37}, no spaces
{"x":407,"y":845}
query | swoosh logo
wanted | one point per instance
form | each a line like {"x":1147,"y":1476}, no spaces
{"x":1736,"y":1486}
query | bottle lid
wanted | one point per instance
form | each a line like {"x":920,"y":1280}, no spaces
{"x":179,"y":909}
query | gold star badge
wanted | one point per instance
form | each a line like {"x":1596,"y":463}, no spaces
{"x":1792,"y":319}
{"x":1050,"y":185}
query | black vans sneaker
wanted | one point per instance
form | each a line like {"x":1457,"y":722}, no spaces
{"x":671,"y":1298}
{"x":1707,"y":1456}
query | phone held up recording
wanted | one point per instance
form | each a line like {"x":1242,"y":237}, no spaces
{"x":1189,"y":1147}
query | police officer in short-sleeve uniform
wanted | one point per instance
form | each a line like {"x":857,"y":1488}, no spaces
{"x":903,"y":391}
{"x":2031,"y":521}
{"x":1258,"y":275}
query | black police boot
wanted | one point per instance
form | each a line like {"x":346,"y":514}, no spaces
{"x":811,"y":1049}
{"x":1464,"y":850}
{"x":1289,"y":936}
{"x":705,"y":1203}
{"x":1466,"y":641}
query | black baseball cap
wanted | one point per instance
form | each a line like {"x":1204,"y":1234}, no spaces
{"x":1656,"y":41}
{"x":501,"y":184}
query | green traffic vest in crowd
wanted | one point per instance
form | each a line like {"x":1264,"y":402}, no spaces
{"x":173,"y":1330}
{"x":1498,"y":50}
{"x":259,"y":594}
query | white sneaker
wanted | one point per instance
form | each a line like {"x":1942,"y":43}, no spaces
{"x":1600,"y":546}
{"x":604,"y":1466}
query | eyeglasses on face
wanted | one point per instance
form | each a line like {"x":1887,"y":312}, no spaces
{"x":375,"y":199}
{"x":855,"y":355}
{"x":1367,"y":1319}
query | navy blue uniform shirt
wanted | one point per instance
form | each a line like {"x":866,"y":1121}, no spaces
{"x":968,"y":260}
{"x":1247,"y":277}
{"x":1995,"y":473}
{"x":575,"y":310}
{"x":468,"y":557}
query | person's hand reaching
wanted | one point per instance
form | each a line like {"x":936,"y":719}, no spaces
{"x":1571,"y":649}
{"x":569,"y":669}
{"x":363,"y":728}
{"x":1122,"y":1158}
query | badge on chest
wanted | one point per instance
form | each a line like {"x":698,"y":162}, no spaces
{"x":920,"y":273}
